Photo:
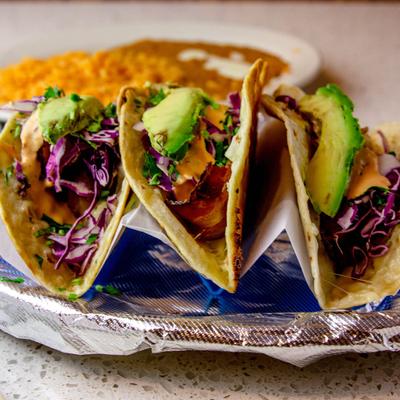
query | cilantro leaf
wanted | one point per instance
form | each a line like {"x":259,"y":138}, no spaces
{"x":39,"y":260}
{"x":172,"y":170}
{"x":53,"y":92}
{"x":112,"y":290}
{"x":11,"y":280}
{"x":9,"y":173}
{"x":72,"y":297}
{"x":156,"y":97}
{"x":104,"y":194}
{"x":92,"y":238}
{"x":17,"y":131}
{"x":95,"y":125}
{"x":150,"y":170}
{"x":211,"y":102}
{"x":220,"y":149}
{"x":110,"y":111}
{"x":99,"y":288}
{"x":109,"y":289}
{"x":76,"y":281}
{"x":75,"y":97}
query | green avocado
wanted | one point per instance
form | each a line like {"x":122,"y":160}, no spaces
{"x":64,"y":115}
{"x":170,"y":124}
{"x":340,"y":138}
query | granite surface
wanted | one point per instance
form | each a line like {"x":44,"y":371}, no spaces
{"x":33,"y":371}
{"x":360,"y":47}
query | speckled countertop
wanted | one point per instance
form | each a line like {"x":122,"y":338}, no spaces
{"x":32,"y":371}
{"x":360,"y":46}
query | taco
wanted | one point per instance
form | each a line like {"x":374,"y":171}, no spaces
{"x":347,"y":181}
{"x":62,"y":190}
{"x":187,"y":159}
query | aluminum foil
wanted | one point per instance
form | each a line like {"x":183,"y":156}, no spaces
{"x":165,"y":306}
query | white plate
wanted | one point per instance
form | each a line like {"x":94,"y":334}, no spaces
{"x":303,"y":59}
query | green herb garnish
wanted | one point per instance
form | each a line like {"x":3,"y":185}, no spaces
{"x":17,"y":131}
{"x":53,"y":93}
{"x":92,"y":238}
{"x":61,"y":289}
{"x":110,"y":111}
{"x":109,"y":289}
{"x":75,"y":97}
{"x":11,"y":280}
{"x":205,"y":134}
{"x":150,"y":170}
{"x":156,"y":97}
{"x":76,"y":281}
{"x":9,"y":173}
{"x":39,"y":260}
{"x":220,"y":149}
{"x":72,"y":297}
{"x":104,"y":194}
{"x":172,"y":170}
{"x":95,"y":125}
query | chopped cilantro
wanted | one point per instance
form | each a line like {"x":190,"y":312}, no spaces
{"x":112,"y":290}
{"x":99,"y":288}
{"x":205,"y":134}
{"x":172,"y":170}
{"x":150,"y":170}
{"x":54,"y":227}
{"x":17,"y":131}
{"x":11,"y":280}
{"x":110,"y":111}
{"x":156,"y":97}
{"x":229,"y":126}
{"x":9,"y":173}
{"x":95,"y":125}
{"x":220,"y":149}
{"x":211,"y":102}
{"x":49,"y":243}
{"x":39,"y":260}
{"x":72,"y":297}
{"x":104,"y":194}
{"x":75,"y":97}
{"x":92,"y":238}
{"x":109,"y":289}
{"x":61,"y":289}
{"x":53,"y":92}
{"x":76,"y":281}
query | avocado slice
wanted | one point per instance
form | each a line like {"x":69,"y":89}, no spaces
{"x":328,"y":172}
{"x":170,"y":124}
{"x":64,"y":115}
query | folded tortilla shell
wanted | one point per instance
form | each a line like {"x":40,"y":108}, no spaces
{"x":22,"y":222}
{"x":219,"y":260}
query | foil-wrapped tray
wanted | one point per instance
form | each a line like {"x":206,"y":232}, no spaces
{"x":165,"y":306}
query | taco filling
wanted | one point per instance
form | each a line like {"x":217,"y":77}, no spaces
{"x":348,"y":187}
{"x":185,"y":157}
{"x":65,"y":170}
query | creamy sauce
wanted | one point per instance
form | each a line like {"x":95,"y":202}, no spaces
{"x":365,"y":174}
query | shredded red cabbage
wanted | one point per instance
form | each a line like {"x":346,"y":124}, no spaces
{"x":363,"y":226}
{"x":53,"y":164}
